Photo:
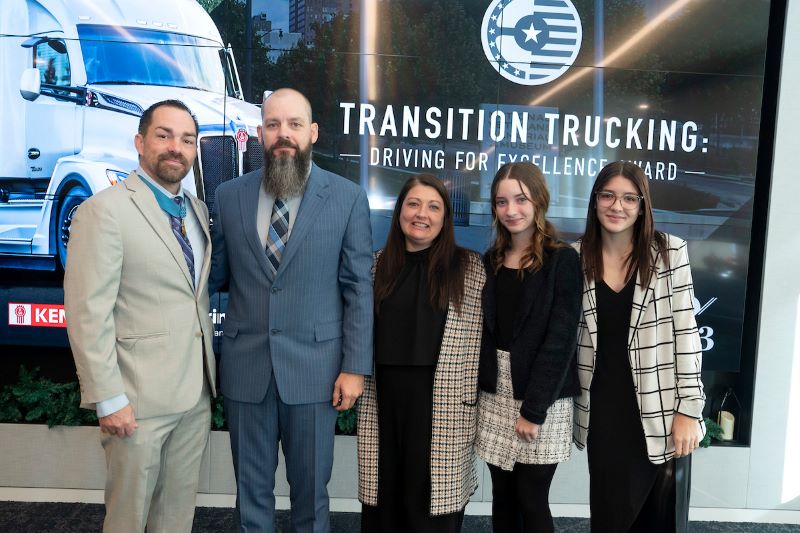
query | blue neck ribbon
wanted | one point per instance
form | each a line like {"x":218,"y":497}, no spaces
{"x":166,"y":203}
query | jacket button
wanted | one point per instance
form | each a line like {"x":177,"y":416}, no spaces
{"x":274,"y":331}
{"x":274,"y":290}
{"x":198,"y":334}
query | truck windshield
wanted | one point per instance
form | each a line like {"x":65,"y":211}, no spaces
{"x":137,"y":56}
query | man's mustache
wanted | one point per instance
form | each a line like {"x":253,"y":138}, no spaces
{"x":283,"y":143}
{"x":179,"y":157}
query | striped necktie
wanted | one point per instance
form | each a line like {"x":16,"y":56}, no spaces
{"x":180,"y":233}
{"x":278,"y":233}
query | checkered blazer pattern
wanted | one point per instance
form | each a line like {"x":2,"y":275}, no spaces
{"x":663,"y":349}
{"x":455,"y":397}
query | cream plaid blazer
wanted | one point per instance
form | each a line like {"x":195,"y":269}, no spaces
{"x":663,"y":349}
{"x":455,"y":398}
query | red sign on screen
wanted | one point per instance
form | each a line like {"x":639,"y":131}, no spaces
{"x":36,"y":315}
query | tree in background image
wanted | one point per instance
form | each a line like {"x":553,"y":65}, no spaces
{"x":231,"y":20}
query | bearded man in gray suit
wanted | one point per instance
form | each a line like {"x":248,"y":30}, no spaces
{"x":293,"y":245}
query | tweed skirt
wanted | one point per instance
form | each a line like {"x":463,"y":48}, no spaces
{"x":498,"y":444}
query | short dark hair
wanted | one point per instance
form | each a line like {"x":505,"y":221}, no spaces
{"x":147,"y":116}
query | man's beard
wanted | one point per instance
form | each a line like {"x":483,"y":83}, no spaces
{"x":285,"y":177}
{"x":168,"y":173}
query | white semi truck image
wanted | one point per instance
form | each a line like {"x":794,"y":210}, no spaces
{"x":75,"y":77}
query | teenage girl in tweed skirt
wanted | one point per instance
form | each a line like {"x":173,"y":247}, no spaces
{"x":528,"y":374}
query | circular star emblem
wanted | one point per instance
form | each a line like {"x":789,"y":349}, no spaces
{"x":531,"y":42}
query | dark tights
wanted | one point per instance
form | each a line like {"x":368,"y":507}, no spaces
{"x":520,"y":499}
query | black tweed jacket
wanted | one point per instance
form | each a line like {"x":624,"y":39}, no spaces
{"x":545,"y":334}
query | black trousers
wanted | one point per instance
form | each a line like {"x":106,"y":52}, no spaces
{"x":520,"y":499}
{"x":665,"y":508}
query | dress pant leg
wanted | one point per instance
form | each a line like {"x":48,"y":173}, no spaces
{"x":254,"y":445}
{"x":175,"y":496}
{"x":307,"y":436}
{"x":133,"y":467}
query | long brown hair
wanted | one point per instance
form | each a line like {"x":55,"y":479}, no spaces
{"x":446,"y":264}
{"x":545,"y":236}
{"x":645,"y":235}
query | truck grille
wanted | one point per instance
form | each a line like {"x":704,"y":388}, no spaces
{"x":220,"y":161}
{"x":254,"y":156}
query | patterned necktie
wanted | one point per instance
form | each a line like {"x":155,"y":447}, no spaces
{"x":180,"y":234}
{"x":278,"y":233}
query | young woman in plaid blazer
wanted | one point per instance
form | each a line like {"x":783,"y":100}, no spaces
{"x":416,"y":420}
{"x":528,"y":374}
{"x":639,"y":361}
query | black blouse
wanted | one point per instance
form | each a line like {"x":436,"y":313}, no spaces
{"x":408,"y":330}
{"x":509,"y":288}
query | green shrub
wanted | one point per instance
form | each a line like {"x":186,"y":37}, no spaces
{"x":713,"y":431}
{"x":346,"y":421}
{"x":36,"y":399}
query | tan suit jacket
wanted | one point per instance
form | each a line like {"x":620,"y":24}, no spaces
{"x":135,"y":323}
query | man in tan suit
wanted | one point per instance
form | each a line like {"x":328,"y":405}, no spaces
{"x":136,"y":300}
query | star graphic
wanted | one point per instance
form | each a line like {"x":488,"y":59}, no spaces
{"x":494,"y":17}
{"x":491,"y":44}
{"x":491,"y":31}
{"x":532,"y":34}
{"x":517,"y":72}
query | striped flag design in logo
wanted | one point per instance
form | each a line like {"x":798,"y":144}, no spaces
{"x":531,"y":42}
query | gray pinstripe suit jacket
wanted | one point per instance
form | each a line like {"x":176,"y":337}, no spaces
{"x":663,"y":349}
{"x":313,"y":318}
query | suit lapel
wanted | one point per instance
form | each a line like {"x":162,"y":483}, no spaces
{"x":248,"y":201}
{"x":642,"y":296}
{"x":590,"y":310}
{"x":144,"y":199}
{"x":203,"y":218}
{"x":489,"y":299}
{"x":315,"y":196}
{"x":588,"y":302}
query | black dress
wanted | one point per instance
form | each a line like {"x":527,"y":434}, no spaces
{"x":408,"y":336}
{"x":627,"y":491}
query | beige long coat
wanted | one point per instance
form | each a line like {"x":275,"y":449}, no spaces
{"x":455,"y":397}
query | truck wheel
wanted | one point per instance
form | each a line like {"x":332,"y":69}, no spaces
{"x":66,"y":210}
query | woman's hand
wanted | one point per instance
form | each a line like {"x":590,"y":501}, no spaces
{"x":686,"y":434}
{"x":525,"y":430}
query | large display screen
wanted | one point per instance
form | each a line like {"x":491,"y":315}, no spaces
{"x":456,"y":88}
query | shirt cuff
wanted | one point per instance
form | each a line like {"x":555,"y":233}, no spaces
{"x":112,"y":405}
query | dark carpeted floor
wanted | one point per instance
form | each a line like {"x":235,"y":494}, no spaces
{"x":18,"y":517}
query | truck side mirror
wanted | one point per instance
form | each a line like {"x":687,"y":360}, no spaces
{"x":30,"y":86}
